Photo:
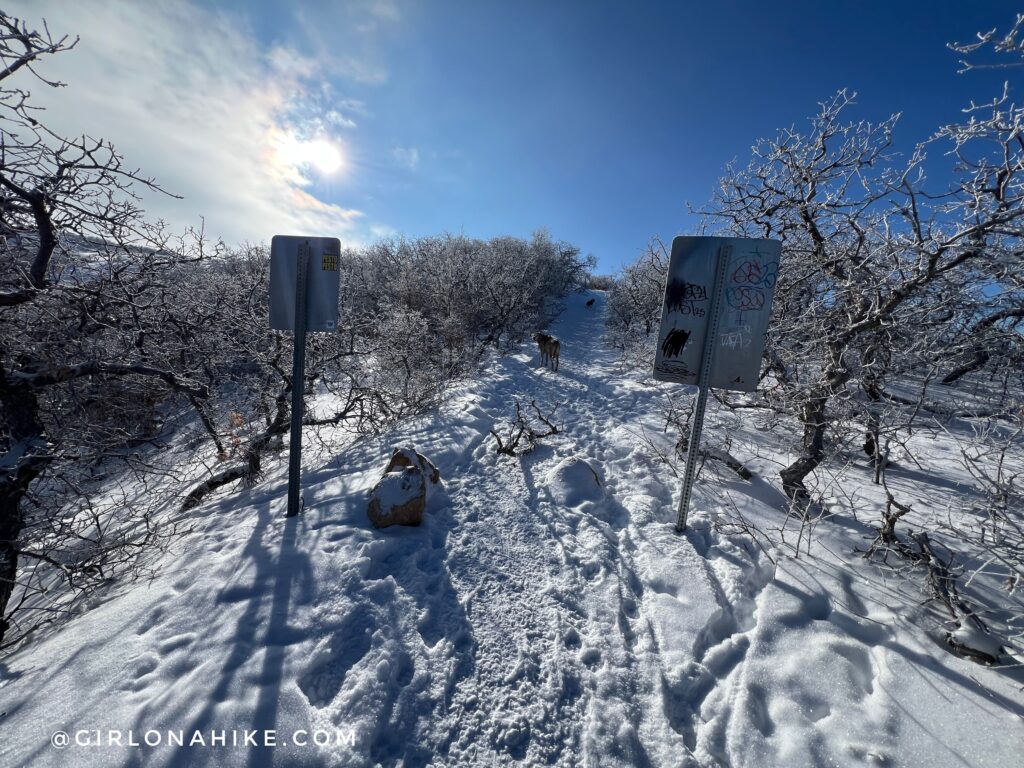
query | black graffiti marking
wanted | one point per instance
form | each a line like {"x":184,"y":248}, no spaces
{"x":691,"y":308}
{"x":679,"y":293}
{"x":674,"y":342}
{"x":677,"y":369}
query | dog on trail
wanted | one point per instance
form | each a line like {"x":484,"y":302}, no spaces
{"x":550,"y":347}
{"x":590,"y":303}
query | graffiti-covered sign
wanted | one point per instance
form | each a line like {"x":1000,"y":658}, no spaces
{"x":321,"y":284}
{"x":745,"y":304}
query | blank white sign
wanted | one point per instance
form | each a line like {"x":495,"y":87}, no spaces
{"x":322,"y":279}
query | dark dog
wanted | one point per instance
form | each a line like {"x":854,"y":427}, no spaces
{"x":550,"y":348}
{"x":590,"y":303}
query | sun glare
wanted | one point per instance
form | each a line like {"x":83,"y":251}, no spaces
{"x":319,"y":154}
{"x":323,"y":155}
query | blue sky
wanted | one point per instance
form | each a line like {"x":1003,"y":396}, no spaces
{"x":597,"y":120}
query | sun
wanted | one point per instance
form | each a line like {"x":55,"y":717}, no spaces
{"x":319,"y":154}
{"x":323,"y":156}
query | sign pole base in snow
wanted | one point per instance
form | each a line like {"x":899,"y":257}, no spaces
{"x":298,"y":385}
{"x":706,"y":363}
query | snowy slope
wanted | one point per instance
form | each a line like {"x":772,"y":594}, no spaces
{"x":536,"y":618}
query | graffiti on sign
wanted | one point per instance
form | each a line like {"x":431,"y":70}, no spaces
{"x":748,"y":286}
{"x":677,"y":368}
{"x":674,"y":342}
{"x":686,"y":298}
{"x":745,"y":304}
{"x":739,"y":337}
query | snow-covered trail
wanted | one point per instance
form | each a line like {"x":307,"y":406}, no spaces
{"x":531,"y":620}
{"x":511,"y":626}
{"x":548,"y":630}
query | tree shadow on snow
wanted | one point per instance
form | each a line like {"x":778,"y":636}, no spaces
{"x":273,"y":585}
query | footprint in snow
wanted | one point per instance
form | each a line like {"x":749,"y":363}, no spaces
{"x":332,"y":663}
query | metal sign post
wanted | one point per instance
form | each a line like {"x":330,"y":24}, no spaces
{"x":703,"y":379}
{"x":304,"y":289}
{"x":718,"y":300}
{"x":298,"y":384}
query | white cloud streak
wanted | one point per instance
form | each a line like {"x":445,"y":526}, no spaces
{"x":190,"y":97}
{"x":408,"y":157}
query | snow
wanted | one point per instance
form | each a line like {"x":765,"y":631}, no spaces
{"x":573,"y":481}
{"x":973,"y":637}
{"x":545,"y":612}
{"x":398,"y":488}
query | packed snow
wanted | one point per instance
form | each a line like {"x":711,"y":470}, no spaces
{"x":544,"y":613}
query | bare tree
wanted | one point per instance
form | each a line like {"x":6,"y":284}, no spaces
{"x":68,"y":217}
{"x":867,"y":250}
{"x":899,"y":307}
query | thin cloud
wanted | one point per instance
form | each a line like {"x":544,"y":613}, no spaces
{"x":190,"y":97}
{"x":408,"y":157}
{"x":337,"y":119}
{"x":345,"y":37}
{"x":380,"y":232}
{"x":384,"y":9}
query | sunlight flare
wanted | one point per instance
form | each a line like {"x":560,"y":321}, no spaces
{"x":319,"y":154}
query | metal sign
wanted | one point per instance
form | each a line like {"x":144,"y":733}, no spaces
{"x":749,"y":282}
{"x":321,"y":282}
{"x":718,"y":299}
{"x":303,"y":297}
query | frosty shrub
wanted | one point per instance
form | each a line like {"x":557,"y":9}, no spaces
{"x":634,"y":305}
{"x":600,"y":282}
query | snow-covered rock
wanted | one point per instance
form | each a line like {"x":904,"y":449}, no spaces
{"x":400,"y":496}
{"x":409,"y":457}
{"x":573,"y":481}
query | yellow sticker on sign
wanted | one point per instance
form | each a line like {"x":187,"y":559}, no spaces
{"x":329,"y":262}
